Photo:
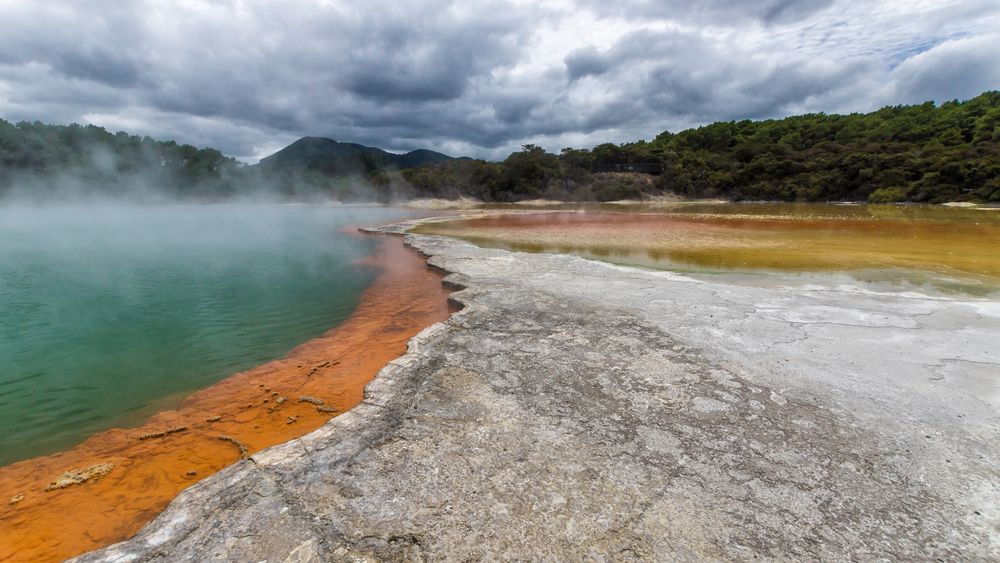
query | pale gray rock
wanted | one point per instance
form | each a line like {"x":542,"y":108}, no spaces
{"x":578,"y":410}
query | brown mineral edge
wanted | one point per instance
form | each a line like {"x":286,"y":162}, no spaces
{"x":105,"y":489}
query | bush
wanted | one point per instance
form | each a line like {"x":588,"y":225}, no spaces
{"x":888,"y":195}
{"x":610,"y":186}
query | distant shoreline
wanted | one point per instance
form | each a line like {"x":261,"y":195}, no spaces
{"x":470,"y":204}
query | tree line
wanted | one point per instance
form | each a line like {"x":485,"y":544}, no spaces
{"x":917,"y":153}
{"x":40,"y":159}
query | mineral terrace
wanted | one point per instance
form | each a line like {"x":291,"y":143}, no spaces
{"x":578,"y":410}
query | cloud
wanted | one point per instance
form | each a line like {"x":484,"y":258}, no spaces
{"x":712,"y":12}
{"x":960,"y":68}
{"x":481,"y":79}
{"x":586,"y":61}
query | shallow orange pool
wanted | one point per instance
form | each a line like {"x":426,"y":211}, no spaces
{"x":947,"y":243}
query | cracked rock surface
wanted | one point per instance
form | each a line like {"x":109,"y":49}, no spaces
{"x":577,"y":410}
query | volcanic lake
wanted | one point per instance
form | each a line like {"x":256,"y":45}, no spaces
{"x":110,"y":313}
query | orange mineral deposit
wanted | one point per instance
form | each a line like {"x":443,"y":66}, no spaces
{"x":106,"y":488}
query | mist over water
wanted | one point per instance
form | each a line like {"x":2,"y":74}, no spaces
{"x":111,"y":312}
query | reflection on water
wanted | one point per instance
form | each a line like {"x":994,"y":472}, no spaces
{"x":949,"y":249}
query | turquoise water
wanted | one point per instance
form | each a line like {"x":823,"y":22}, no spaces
{"x":108,"y":314}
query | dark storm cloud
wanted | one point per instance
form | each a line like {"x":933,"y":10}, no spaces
{"x":402,"y":63}
{"x":98,"y":64}
{"x":586,"y":61}
{"x":768,"y":11}
{"x":249,"y":76}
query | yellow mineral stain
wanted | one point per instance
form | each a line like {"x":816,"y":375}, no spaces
{"x":961,"y":243}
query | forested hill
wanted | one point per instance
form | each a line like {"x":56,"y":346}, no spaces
{"x":319,"y":164}
{"x":921,"y":153}
{"x":39,"y":160}
{"x":339,"y":159}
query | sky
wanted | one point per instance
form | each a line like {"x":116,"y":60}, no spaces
{"x":477,"y":78}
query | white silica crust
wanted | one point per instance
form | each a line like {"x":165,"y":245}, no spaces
{"x":577,"y":410}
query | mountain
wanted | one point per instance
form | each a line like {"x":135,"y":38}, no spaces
{"x":332,"y":158}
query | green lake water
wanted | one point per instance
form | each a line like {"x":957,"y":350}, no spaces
{"x":108,"y":314}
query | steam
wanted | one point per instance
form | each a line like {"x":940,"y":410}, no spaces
{"x":42,"y":167}
{"x":105,"y":309}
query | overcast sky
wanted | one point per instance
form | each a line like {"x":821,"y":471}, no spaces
{"x":477,"y":78}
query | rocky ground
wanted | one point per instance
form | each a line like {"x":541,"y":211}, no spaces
{"x":578,"y":410}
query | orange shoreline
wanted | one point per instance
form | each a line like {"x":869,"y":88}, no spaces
{"x":252,"y":410}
